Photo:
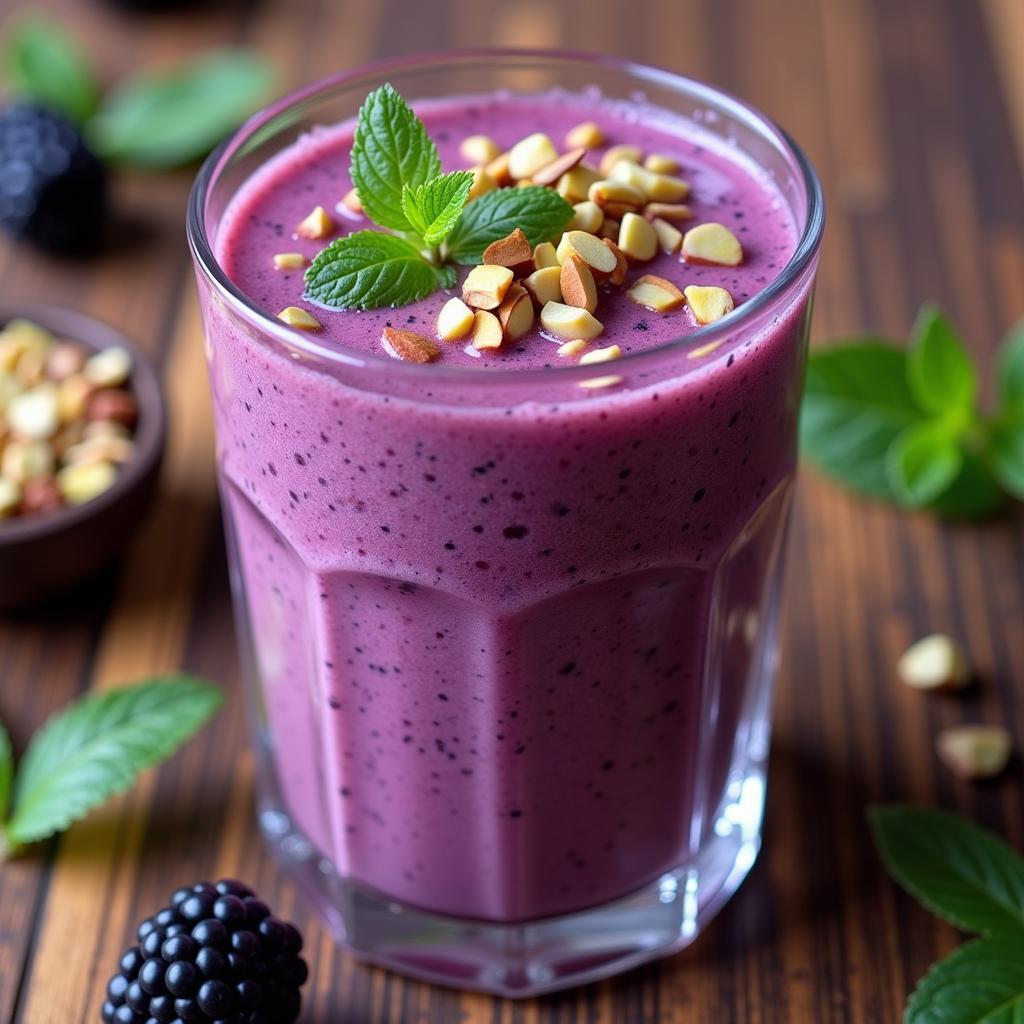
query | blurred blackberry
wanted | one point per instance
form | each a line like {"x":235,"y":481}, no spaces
{"x":214,"y":954}
{"x":53,"y":189}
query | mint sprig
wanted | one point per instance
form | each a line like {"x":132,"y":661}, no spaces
{"x":93,"y":749}
{"x":398,"y":177}
{"x":971,"y":878}
{"x":903,"y":425}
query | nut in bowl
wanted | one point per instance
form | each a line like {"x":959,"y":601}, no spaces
{"x":82,"y":427}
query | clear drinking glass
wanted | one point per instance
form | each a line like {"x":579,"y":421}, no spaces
{"x":521,"y":773}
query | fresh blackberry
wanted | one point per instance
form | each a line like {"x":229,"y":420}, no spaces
{"x":53,"y":189}
{"x":214,"y":954}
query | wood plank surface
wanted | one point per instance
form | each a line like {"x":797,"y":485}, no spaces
{"x":913,"y":112}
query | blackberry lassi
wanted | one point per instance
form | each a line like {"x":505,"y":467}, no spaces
{"x":508,"y":579}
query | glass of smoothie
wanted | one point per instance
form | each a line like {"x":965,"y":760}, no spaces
{"x":508,"y":614}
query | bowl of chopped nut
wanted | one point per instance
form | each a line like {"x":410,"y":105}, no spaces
{"x":82,"y":425}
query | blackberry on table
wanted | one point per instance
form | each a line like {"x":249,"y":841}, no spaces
{"x":53,"y":188}
{"x":215,"y":953}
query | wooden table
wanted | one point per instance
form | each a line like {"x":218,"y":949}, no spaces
{"x":913,"y":111}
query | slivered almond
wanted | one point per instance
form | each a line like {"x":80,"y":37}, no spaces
{"x":609,"y":228}
{"x":703,"y":350}
{"x":295,"y":316}
{"x":708,"y":303}
{"x":512,"y":251}
{"x":577,"y":284}
{"x":618,"y":275}
{"x":485,"y":286}
{"x":712,"y":244}
{"x":479,"y":149}
{"x":590,"y":249}
{"x":662,"y":188}
{"x":587,"y":216}
{"x":619,"y":210}
{"x":455,"y":320}
{"x":587,"y":135}
{"x":497,"y":170}
{"x":487,"y":333}
{"x":550,"y":173}
{"x":975,"y":751}
{"x":607,"y":192}
{"x":670,"y":238}
{"x":408,"y":346}
{"x":601,"y":355}
{"x":482,"y":184}
{"x":352,"y":202}
{"x":316,"y":224}
{"x":661,"y":164}
{"x":544,"y":285}
{"x":656,"y":293}
{"x":617,"y":153}
{"x":574,"y":185}
{"x":569,"y":322}
{"x":571,"y":348}
{"x":607,"y":381}
{"x":667,"y":211}
{"x":529,"y":155}
{"x":289,"y":260}
{"x":637,"y":239}
{"x":544,"y":255}
{"x":515,"y":314}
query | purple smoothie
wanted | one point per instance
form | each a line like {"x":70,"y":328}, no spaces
{"x":508,"y":636}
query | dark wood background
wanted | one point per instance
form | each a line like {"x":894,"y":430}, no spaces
{"x":913,"y":111}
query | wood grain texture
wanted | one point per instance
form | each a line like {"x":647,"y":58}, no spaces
{"x":914,"y":114}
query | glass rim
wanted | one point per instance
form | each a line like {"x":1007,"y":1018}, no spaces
{"x":437,"y":373}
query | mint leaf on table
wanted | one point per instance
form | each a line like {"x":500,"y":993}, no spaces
{"x":171,"y":118}
{"x":974,"y":494}
{"x":391,"y":150}
{"x":939,"y":370}
{"x":45,"y":65}
{"x":541,"y":213}
{"x":1008,"y":456}
{"x":6,"y":771}
{"x":923,"y":462}
{"x":1010,"y":371}
{"x":369,"y":269}
{"x":97,"y":747}
{"x":433,"y":208}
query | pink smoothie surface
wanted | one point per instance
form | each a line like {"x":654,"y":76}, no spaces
{"x":507,"y":649}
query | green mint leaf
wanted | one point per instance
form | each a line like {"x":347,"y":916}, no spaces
{"x":433,"y":208}
{"x":6,"y":772}
{"x":922,"y":463}
{"x":958,"y":870}
{"x":169,"y":119}
{"x":1008,"y":456}
{"x":98,"y":746}
{"x":974,"y":494}
{"x":391,"y":149}
{"x":982,"y":982}
{"x":1010,"y":370}
{"x":939,"y":370}
{"x":44,"y":64}
{"x":368,"y":269}
{"x":541,"y":212}
{"x":856,"y":403}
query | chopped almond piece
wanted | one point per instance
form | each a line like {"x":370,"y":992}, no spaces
{"x":317,"y":224}
{"x":661,"y":164}
{"x":574,"y":185}
{"x":586,"y":135}
{"x":550,"y":173}
{"x":656,"y":294}
{"x":670,"y":238}
{"x":637,"y":239}
{"x":455,"y":320}
{"x":609,"y":228}
{"x":601,"y":355}
{"x":703,"y":350}
{"x":590,"y":249}
{"x":617,"y":153}
{"x":667,"y":211}
{"x":487,"y":332}
{"x":289,"y":260}
{"x":577,"y":284}
{"x":294,"y":316}
{"x":587,"y":217}
{"x":482,"y":183}
{"x":619,"y":210}
{"x":497,"y":170}
{"x":662,"y":188}
{"x":714,"y":244}
{"x":408,"y":346}
{"x":974,"y":751}
{"x":529,"y":155}
{"x":544,"y":255}
{"x":479,"y":149}
{"x":708,"y":303}
{"x":512,"y":251}
{"x":607,"y":381}
{"x":571,"y":348}
{"x":606,"y":192}
{"x":515,"y":314}
{"x":618,"y":275}
{"x":352,"y":202}
{"x":485,"y":286}
{"x":569,"y":322}
{"x":544,"y":285}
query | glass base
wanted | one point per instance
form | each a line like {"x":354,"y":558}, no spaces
{"x":531,"y":958}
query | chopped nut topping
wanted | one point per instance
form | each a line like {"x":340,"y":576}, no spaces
{"x":294,"y":316}
{"x":667,"y":211}
{"x":587,"y":135}
{"x":289,"y":260}
{"x":455,"y":320}
{"x":670,"y":238}
{"x":569,"y":322}
{"x":408,"y":345}
{"x":482,"y":183}
{"x":656,"y":187}
{"x":485,"y":286}
{"x":661,"y":164}
{"x":109,"y":368}
{"x":10,"y":497}
{"x":587,"y":217}
{"x":708,"y":303}
{"x":656,"y":294}
{"x":24,"y":460}
{"x":352,"y":203}
{"x":609,"y":228}
{"x":974,"y":751}
{"x":515,"y":314}
{"x":550,"y":173}
{"x":574,"y":185}
{"x":571,"y":348}
{"x":479,"y":149}
{"x":601,"y":355}
{"x":318,"y":224}
{"x":617,"y":153}
{"x":529,"y":155}
{"x":590,"y":249}
{"x":607,"y":381}
{"x":703,"y":350}
{"x":544,"y":255}
{"x":498,"y":170}
{"x":936,"y":662}
{"x":637,"y":239}
{"x":544,"y":285}
{"x":712,"y":243}
{"x":83,"y":481}
{"x":72,"y":396}
{"x":487,"y":333}
{"x":618,"y":275}
{"x":512,"y":251}
{"x":616,"y":193}
{"x":34,"y":414}
{"x":577,"y":284}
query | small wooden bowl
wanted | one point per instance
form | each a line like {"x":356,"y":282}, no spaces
{"x":45,"y":553}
